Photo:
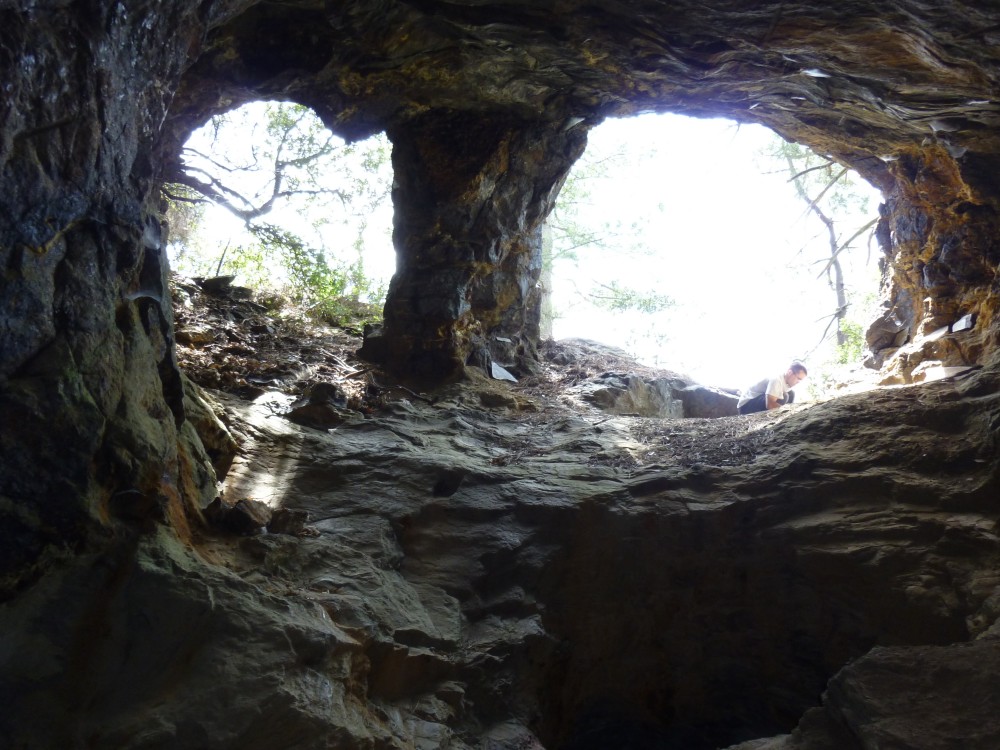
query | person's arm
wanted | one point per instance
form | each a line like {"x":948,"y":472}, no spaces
{"x":773,"y":396}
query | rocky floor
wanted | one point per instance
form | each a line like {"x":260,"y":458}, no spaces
{"x":230,"y":342}
{"x":506,"y":566}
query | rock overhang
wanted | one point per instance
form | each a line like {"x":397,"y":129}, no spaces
{"x":857,"y":76}
{"x":467,"y":90}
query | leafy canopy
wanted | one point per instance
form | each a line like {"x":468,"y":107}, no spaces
{"x":304,"y":198}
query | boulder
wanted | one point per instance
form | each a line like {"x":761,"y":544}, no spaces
{"x":705,"y":401}
{"x":621,"y":393}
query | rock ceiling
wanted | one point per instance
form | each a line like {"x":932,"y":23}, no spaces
{"x":489,"y":102}
{"x":856,"y":78}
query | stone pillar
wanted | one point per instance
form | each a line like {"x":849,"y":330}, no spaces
{"x":470,"y":193}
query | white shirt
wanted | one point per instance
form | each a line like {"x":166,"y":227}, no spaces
{"x":776,"y":387}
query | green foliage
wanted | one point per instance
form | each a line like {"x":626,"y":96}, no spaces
{"x":578,"y":222}
{"x":334,"y":291}
{"x":571,"y":233}
{"x":250,"y":261}
{"x":832,"y":198}
{"x":852,"y":350}
{"x":278,"y":160}
{"x":821,"y":178}
{"x":837,"y":192}
{"x":184,"y":212}
{"x":580,"y":227}
{"x":615,"y":297}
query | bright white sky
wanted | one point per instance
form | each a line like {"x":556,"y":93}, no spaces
{"x":727,"y":244}
{"x":728,"y":248}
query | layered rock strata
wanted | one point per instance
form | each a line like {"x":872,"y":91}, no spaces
{"x":474,"y":576}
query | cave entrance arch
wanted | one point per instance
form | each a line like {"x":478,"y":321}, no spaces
{"x":489,"y":104}
{"x":701,"y":216}
{"x":267,"y":193}
{"x":482,"y":148}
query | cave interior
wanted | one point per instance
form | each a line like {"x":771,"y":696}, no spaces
{"x":105,"y":474}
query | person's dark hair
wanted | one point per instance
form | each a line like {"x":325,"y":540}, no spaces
{"x":799,"y":367}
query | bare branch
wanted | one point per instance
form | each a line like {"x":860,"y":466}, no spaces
{"x":181,"y":198}
{"x":215,"y":191}
{"x":795,"y":177}
{"x":813,"y":204}
{"x":836,"y":315}
{"x":844,"y":246}
{"x":228,"y":167}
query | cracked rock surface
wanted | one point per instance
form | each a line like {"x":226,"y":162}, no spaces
{"x":498,"y":565}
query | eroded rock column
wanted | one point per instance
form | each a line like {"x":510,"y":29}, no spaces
{"x":470,"y":193}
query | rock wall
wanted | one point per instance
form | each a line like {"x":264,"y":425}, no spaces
{"x":482,"y":573}
{"x":939,"y":234}
{"x":93,"y":436}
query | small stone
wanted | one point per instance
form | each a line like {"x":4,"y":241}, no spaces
{"x":216,"y":284}
{"x":704,"y":402}
{"x":193,"y":337}
{"x":291,"y":521}
{"x":328,"y":393}
{"x":495,"y":400}
{"x":247,"y":516}
{"x":318,"y":416}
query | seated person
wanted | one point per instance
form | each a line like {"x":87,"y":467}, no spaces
{"x":770,"y":393}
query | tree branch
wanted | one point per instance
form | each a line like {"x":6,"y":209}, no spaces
{"x":795,"y":177}
{"x":181,"y":198}
{"x":847,"y":244}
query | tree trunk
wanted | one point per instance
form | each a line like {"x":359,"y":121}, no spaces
{"x":545,"y":284}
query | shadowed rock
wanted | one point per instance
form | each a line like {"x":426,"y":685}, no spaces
{"x":561,"y":594}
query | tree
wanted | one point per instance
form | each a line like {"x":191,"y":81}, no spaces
{"x":277,"y":160}
{"x":579,"y":227}
{"x":185,"y":212}
{"x":831,"y":195}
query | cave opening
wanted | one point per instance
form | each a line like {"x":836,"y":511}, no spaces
{"x":712,"y":226}
{"x":270,"y":196}
{"x":871,"y":521}
{"x":701,"y":216}
{"x":671,"y":690}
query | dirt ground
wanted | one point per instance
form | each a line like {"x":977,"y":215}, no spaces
{"x":232,"y":340}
